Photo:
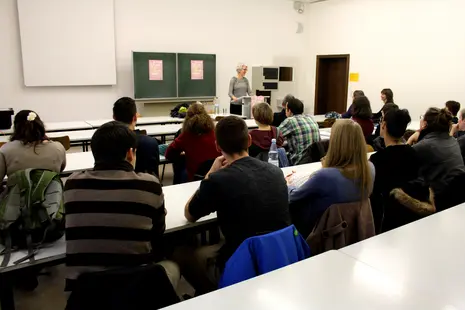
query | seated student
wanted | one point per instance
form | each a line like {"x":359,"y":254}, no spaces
{"x":148,"y":154}
{"x":453,"y":107}
{"x":29,"y":147}
{"x":396,"y":165}
{"x":279,"y":117}
{"x":346,"y":176}
{"x":348,"y":114}
{"x":438,"y":153}
{"x":458,"y":130}
{"x":115,"y":217}
{"x":299,"y":130}
{"x":378,"y":140}
{"x":249,"y":196}
{"x":362,"y":115}
{"x":261,"y":137}
{"x":387,"y":96}
{"x":197,"y":140}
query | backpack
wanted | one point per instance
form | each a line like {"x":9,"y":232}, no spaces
{"x":31,"y":211}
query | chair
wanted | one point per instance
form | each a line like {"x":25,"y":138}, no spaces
{"x":64,"y":140}
{"x":369,"y":149}
{"x":142,"y":287}
{"x":203,"y":169}
{"x":328,"y":123}
{"x":2,"y":143}
{"x":261,"y":254}
{"x":315,"y":152}
{"x":342,"y":225}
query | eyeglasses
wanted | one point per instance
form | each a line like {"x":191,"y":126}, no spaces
{"x":381,"y":119}
{"x":422,"y":117}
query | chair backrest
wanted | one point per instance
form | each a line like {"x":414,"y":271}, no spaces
{"x":341,"y":225}
{"x":203,"y":169}
{"x":315,"y":152}
{"x":261,"y":254}
{"x":2,"y":143}
{"x":64,"y":141}
{"x":369,"y":149}
{"x":143,"y":287}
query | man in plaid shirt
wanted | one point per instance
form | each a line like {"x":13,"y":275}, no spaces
{"x":299,"y":130}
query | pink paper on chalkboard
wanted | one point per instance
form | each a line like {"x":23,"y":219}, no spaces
{"x":156,"y":70}
{"x":196,"y":69}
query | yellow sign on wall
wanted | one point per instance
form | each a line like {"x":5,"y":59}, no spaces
{"x":354,"y":77}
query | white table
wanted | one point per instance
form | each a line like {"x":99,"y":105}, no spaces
{"x":330,"y":281}
{"x":149,"y":120}
{"x":428,"y":255}
{"x":59,"y":126}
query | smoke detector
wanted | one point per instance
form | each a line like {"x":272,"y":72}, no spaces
{"x":299,"y":6}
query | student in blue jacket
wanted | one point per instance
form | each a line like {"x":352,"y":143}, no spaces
{"x":346,"y":176}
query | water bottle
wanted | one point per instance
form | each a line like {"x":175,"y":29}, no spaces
{"x":273,"y":154}
{"x":217,"y":106}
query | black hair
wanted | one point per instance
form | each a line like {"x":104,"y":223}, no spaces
{"x":28,"y":131}
{"x":111,"y":142}
{"x":232,"y":135}
{"x":396,"y":122}
{"x":389,"y":106}
{"x":358,"y":93}
{"x":124,"y":110}
{"x":361,"y":108}
{"x":389,"y":95}
{"x":453,"y":107}
{"x":438,"y":120}
{"x":295,"y":106}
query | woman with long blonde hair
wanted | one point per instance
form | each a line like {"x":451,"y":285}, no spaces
{"x":196,"y":141}
{"x":347,"y":176}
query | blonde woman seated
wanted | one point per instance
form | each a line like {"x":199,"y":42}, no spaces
{"x":346,"y":176}
{"x":261,"y":137}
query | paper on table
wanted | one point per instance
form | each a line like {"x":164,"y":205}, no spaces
{"x":156,"y":70}
{"x":196,"y":69}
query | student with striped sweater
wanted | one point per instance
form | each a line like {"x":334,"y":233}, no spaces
{"x":115,"y":217}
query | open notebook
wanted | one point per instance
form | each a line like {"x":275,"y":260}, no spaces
{"x":299,"y":178}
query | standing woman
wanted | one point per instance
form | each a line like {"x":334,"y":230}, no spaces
{"x":29,"y":147}
{"x":387,"y":96}
{"x":239,"y":86}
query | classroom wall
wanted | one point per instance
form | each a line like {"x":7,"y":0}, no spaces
{"x":257,"y":32}
{"x":415,"y":47}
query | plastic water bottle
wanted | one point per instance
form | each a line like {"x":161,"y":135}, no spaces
{"x":217,"y":106}
{"x":273,"y":154}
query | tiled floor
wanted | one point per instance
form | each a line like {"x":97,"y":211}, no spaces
{"x":49,"y":295}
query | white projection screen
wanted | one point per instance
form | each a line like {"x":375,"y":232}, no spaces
{"x":67,"y":42}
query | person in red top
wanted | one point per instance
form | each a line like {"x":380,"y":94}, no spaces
{"x":362,"y":115}
{"x":261,"y":137}
{"x":196,"y":141}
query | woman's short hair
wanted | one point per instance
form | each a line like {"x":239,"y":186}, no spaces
{"x":347,"y":152}
{"x":358,"y":93}
{"x":396,"y":122}
{"x":453,"y":107}
{"x":240,"y":66}
{"x":361,"y":108}
{"x":28,"y":128}
{"x":389,"y":95}
{"x":438,"y":120}
{"x":197,"y":120}
{"x":262,"y":113}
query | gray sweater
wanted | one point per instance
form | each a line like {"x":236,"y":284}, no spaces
{"x":239,"y":87}
{"x":15,"y":156}
{"x":440,"y":159}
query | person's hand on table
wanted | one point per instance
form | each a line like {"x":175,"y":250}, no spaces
{"x":289,"y":178}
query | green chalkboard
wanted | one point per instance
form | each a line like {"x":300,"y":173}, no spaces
{"x":203,"y":82}
{"x":154,"y":75}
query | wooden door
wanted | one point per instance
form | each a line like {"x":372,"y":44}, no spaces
{"x":332,"y":83}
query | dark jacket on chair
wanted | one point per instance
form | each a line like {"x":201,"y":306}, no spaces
{"x":342,"y":225}
{"x":315,"y":152}
{"x":145,"y":287}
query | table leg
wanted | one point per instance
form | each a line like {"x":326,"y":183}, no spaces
{"x":7,"y":300}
